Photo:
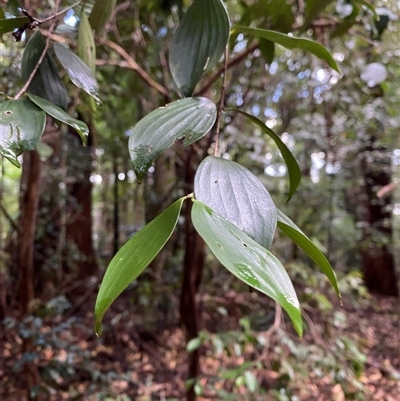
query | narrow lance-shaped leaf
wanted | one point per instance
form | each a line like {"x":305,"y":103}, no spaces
{"x":291,"y":42}
{"x":134,"y":257}
{"x":237,"y":195}
{"x":46,"y":83}
{"x":9,"y":24}
{"x":298,"y":237}
{"x":189,"y":118}
{"x":86,"y":47}
{"x":60,"y":115}
{"x":291,"y":163}
{"x":247,"y":260}
{"x":21,"y":127}
{"x":100,"y":14}
{"x":198,"y":43}
{"x":77,"y":70}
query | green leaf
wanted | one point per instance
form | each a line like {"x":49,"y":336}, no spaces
{"x":100,"y":14}
{"x":198,"y":43}
{"x":291,"y":42}
{"x":298,"y":237}
{"x":250,"y":381}
{"x":189,"y":118}
{"x":86,"y":47}
{"x":60,"y":115}
{"x":46,"y":83}
{"x":247,"y":260}
{"x":77,"y":70}
{"x":267,"y":49}
{"x":134,"y":257}
{"x":342,"y":28}
{"x":2,"y":16}
{"x":9,"y":24}
{"x":237,"y":195}
{"x":291,"y":163}
{"x":194,"y":344}
{"x":21,"y":127}
{"x":314,"y":7}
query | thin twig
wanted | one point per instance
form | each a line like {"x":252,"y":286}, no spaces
{"x":231,"y":63}
{"x":59,"y":13}
{"x":42,"y":56}
{"x":277,"y":320}
{"x":221,"y":102}
{"x":132,"y":64}
{"x":12,"y":223}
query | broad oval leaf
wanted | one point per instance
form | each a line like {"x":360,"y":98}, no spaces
{"x":189,"y":118}
{"x":86,"y":47}
{"x":134,"y":257}
{"x":198,"y":43}
{"x":247,"y":260}
{"x":101,"y":13}
{"x":60,"y":115}
{"x":77,"y":70}
{"x":291,"y":42}
{"x":21,"y":127}
{"x":9,"y":24}
{"x":46,"y":83}
{"x":291,"y":163}
{"x":237,"y":195}
{"x":298,"y":237}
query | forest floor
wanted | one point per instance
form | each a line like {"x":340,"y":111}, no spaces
{"x":350,"y":352}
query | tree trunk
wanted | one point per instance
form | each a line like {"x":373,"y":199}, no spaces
{"x":79,"y":210}
{"x":29,"y":202}
{"x":192,"y":273}
{"x":378,"y":264}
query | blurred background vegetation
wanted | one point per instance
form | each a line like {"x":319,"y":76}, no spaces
{"x":342,"y":128}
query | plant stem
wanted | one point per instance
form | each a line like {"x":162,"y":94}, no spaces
{"x":42,"y":56}
{"x":52,"y":17}
{"x":221,"y":103}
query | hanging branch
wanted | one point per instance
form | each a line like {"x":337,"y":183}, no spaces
{"x":34,"y":22}
{"x":132,"y":64}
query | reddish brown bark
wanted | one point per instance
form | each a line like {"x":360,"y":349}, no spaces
{"x":79,"y":209}
{"x":192,"y":273}
{"x":26,"y":237}
{"x":378,"y":264}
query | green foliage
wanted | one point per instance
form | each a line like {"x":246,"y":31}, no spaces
{"x":291,"y":42}
{"x":199,"y":43}
{"x":238,"y":209}
{"x":101,"y":13}
{"x":61,"y":116}
{"x":238,"y":217}
{"x":247,"y":260}
{"x":291,"y":163}
{"x":298,"y":237}
{"x":21,"y":127}
{"x":86,"y":46}
{"x":46,"y":82}
{"x":80,"y":74}
{"x":134,"y":257}
{"x":237,"y":195}
{"x":8,"y":25}
{"x":189,"y":118}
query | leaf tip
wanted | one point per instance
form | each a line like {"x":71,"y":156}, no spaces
{"x":98,"y":328}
